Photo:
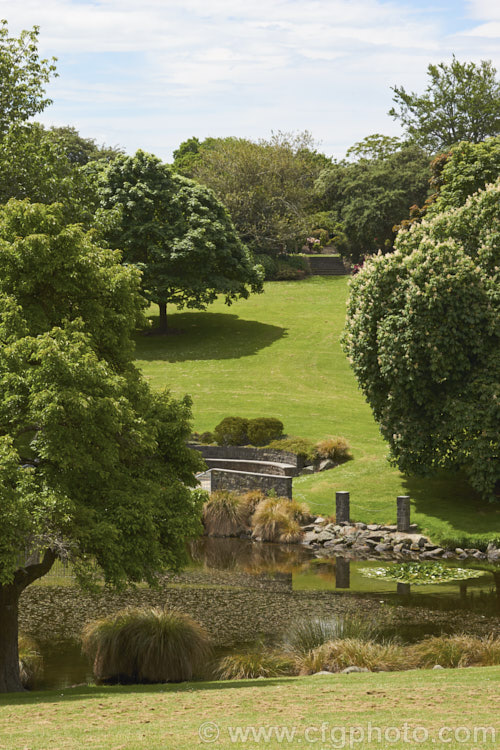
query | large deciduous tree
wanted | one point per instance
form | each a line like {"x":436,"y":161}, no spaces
{"x":94,"y":466}
{"x":23,"y":76}
{"x":423,"y":337}
{"x":267,"y":185}
{"x":374,"y":192}
{"x":461,"y":103}
{"x":177,"y":232}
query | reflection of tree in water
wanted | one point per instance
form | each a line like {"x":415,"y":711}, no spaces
{"x":254,"y":558}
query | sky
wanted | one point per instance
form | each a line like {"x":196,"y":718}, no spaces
{"x":153,"y":73}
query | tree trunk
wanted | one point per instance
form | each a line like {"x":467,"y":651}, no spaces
{"x":10,"y":681}
{"x":163,"y":316}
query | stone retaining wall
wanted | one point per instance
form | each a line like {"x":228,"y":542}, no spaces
{"x":252,"y":467}
{"x":242,"y":453}
{"x":241,"y":481}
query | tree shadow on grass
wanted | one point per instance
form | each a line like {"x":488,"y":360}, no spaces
{"x":102,"y":692}
{"x":449,"y":498}
{"x":207,"y":335}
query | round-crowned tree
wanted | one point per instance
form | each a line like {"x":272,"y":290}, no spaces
{"x":94,"y":466}
{"x":177,"y":233}
{"x":423,"y":337}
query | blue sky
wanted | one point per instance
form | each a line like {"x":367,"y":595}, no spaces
{"x":151,"y":74}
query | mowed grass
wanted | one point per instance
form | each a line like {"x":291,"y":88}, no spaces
{"x":278,"y":354}
{"x":339,"y":706}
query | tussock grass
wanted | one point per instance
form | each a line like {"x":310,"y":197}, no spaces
{"x":306,"y":635}
{"x":30,"y":661}
{"x":336,"y":655}
{"x":277,"y":519}
{"x":255,"y":662}
{"x":226,"y":514}
{"x":146,"y":645}
{"x":457,"y":651}
{"x":335,"y":448}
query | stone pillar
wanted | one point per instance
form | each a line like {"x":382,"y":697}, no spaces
{"x":342,"y":573}
{"x":342,"y":507}
{"x":403,"y":502}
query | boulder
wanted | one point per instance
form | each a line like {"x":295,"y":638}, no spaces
{"x":351,"y":670}
{"x":326,"y":464}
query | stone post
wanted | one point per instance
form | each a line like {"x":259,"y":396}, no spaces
{"x":403,"y":502}
{"x":342,"y":507}
{"x":404,"y":589}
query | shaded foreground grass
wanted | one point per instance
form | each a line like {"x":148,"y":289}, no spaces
{"x":278,"y":354}
{"x":170,"y":716}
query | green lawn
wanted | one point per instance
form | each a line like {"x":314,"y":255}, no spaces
{"x":278,"y":354}
{"x":323,"y":712}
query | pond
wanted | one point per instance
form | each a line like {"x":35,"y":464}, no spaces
{"x":241,"y":590}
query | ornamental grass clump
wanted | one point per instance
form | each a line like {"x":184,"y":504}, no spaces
{"x":306,"y":635}
{"x":335,"y":448}
{"x":146,"y":646}
{"x":277,"y":519}
{"x":226,"y":513}
{"x":255,"y":662}
{"x":457,"y":651}
{"x":30,"y":661}
{"x":336,"y":655}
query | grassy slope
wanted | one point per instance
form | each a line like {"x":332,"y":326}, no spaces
{"x":161,"y":716}
{"x":278,"y":354}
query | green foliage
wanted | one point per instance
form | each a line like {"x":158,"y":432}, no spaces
{"x":265,"y":185}
{"x":420,"y":573}
{"x":232,"y":431}
{"x":302,"y":447}
{"x":23,"y":74}
{"x":146,"y":645}
{"x":469,"y":167}
{"x":461,"y":103}
{"x":263,"y":430}
{"x":374,"y":193}
{"x":253,"y":663}
{"x":176,"y":232}
{"x":423,"y":338}
{"x":291,"y":268}
{"x":94,"y":465}
{"x":335,"y":448}
{"x":33,"y":166}
{"x":207,"y":437}
{"x":79,"y":150}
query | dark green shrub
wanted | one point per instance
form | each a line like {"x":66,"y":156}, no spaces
{"x":264,"y":429}
{"x":269,"y":264}
{"x":146,"y":645}
{"x":207,"y":437}
{"x":232,"y":431}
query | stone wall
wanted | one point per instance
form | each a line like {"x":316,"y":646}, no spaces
{"x":224,"y":479}
{"x":252,"y":467}
{"x":242,"y":453}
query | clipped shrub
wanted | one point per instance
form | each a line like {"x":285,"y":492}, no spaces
{"x":30,"y":661}
{"x":269,"y":264}
{"x":253,"y":663}
{"x":457,"y":651}
{"x":306,"y":635}
{"x":302,"y":447}
{"x":226,"y":514}
{"x":264,"y":429}
{"x":206,"y":438}
{"x":286,"y":272}
{"x":335,"y":448}
{"x":146,"y":646}
{"x":232,"y":431}
{"x":336,"y":655}
{"x":277,"y":519}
